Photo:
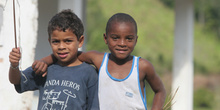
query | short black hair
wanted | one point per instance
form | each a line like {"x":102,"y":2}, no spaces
{"x":64,"y":20}
{"x":120,"y":17}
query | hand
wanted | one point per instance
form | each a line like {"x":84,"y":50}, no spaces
{"x":14,"y":57}
{"x":40,"y":67}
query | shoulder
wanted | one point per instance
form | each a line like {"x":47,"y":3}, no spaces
{"x":95,"y":54}
{"x":88,"y":67}
{"x":28,"y":70}
{"x":145,"y":63}
{"x":96,"y":57}
{"x":146,"y":67}
{"x":88,"y":70}
{"x":29,"y":74}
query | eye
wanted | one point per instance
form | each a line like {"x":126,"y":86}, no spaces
{"x":130,"y":38}
{"x":114,"y":37}
{"x":68,"y":41}
{"x":55,"y":42}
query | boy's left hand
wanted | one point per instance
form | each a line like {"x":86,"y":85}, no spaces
{"x":40,"y":67}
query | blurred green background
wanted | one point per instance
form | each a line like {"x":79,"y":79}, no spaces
{"x":155,"y":20}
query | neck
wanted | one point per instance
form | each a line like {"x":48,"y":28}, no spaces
{"x":120,"y":61}
{"x":70,"y":63}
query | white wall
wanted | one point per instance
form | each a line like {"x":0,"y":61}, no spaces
{"x":33,"y":31}
{"x":28,"y":13}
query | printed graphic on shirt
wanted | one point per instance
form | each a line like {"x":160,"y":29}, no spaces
{"x":53,"y":98}
{"x":129,"y":94}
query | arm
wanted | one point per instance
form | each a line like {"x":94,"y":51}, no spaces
{"x":155,"y":83}
{"x":91,"y":57}
{"x":14,"y":72}
{"x":40,"y":66}
{"x":160,"y":92}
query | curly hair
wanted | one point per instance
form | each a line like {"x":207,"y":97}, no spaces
{"x":64,"y":20}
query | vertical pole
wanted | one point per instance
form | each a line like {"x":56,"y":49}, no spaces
{"x":14,"y":16}
{"x":183,"y":55}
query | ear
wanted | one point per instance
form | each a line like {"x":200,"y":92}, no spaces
{"x":81,"y":41}
{"x":136,"y":40}
{"x":105,"y":38}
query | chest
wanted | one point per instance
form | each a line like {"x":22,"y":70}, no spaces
{"x":119,"y":71}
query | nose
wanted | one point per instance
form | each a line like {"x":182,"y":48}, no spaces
{"x":61,"y":46}
{"x":122,"y":42}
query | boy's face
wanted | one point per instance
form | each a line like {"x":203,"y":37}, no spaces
{"x":121,"y":39}
{"x":65,"y":46}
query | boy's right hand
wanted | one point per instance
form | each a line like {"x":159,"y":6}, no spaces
{"x":40,"y":67}
{"x":14,"y":57}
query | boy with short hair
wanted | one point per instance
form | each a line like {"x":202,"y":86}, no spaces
{"x":121,"y":75}
{"x":70,"y":84}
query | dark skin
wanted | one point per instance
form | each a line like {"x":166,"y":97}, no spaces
{"x":14,"y":72}
{"x":121,"y":40}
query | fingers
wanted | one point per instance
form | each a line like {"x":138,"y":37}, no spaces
{"x":33,"y":65}
{"x":39,"y":67}
{"x":43,"y":75}
{"x":15,"y":56}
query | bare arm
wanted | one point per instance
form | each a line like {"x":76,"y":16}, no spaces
{"x":155,"y":83}
{"x":91,"y":57}
{"x":160,"y":93}
{"x":14,"y":72}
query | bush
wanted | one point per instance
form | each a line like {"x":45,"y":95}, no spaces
{"x":203,"y":98}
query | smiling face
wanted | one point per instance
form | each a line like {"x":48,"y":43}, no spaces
{"x":121,"y":39}
{"x":65,"y":46}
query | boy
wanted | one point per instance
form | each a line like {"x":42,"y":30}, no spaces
{"x":70,"y":84}
{"x":121,"y":76}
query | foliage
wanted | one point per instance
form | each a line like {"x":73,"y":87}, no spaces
{"x":203,"y":98}
{"x":155,"y":30}
{"x":207,"y":13}
{"x":155,"y":26}
{"x":155,"y":20}
{"x":168,"y":3}
{"x":206,"y":51}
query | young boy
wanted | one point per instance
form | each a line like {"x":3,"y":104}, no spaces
{"x":70,"y":84}
{"x":121,"y":76}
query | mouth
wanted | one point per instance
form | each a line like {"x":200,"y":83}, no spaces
{"x":121,"y":50}
{"x":62,"y":55}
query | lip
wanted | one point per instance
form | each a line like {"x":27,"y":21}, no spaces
{"x":62,"y":55}
{"x":121,"y":50}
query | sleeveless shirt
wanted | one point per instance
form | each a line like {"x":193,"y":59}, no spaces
{"x":120,"y":94}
